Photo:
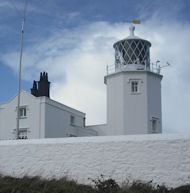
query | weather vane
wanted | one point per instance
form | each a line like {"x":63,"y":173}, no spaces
{"x":135,"y":21}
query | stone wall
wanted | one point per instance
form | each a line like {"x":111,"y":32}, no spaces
{"x":163,"y":159}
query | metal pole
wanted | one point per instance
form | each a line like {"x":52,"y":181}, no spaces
{"x":20,"y":65}
{"x":19,"y":79}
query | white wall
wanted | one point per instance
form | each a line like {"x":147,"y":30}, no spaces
{"x":161,"y":158}
{"x":131,"y":113}
{"x":115,"y":104}
{"x":154,"y":101}
{"x":33,"y":121}
{"x":100,"y":129}
{"x":136,"y":106}
{"x":45,"y":118}
{"x":58,"y":120}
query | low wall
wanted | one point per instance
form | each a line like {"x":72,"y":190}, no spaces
{"x":164,"y":159}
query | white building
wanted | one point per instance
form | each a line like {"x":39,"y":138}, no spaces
{"x":40,"y":116}
{"x":133,"y":90}
{"x":133,"y":101}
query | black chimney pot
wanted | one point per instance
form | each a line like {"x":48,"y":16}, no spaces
{"x":41,"y":88}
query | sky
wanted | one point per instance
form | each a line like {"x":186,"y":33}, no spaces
{"x":73,"y":41}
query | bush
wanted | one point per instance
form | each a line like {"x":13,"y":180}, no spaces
{"x":39,"y":185}
{"x":142,"y":187}
{"x":181,"y":189}
{"x":106,"y":186}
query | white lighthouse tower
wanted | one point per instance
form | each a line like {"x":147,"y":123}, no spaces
{"x":133,"y":89}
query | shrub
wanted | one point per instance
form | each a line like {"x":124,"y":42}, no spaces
{"x":181,"y":189}
{"x":39,"y":185}
{"x":101,"y":185}
{"x":106,"y":185}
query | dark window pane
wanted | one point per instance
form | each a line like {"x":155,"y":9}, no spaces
{"x":133,"y":45}
{"x":137,"y":52}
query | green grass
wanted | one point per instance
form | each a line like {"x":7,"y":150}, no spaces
{"x":39,"y":185}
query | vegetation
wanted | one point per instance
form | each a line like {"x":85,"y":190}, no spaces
{"x":38,"y":185}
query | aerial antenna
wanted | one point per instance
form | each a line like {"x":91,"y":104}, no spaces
{"x":164,"y":66}
{"x":157,"y":67}
{"x":20,"y":65}
{"x":158,"y":61}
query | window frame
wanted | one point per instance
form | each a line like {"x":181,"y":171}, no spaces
{"x":84,"y":122}
{"x":22,"y":112}
{"x":72,"y":120}
{"x":23,"y":133}
{"x":134,"y":86}
{"x":154,"y":125}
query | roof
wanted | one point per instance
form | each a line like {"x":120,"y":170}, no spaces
{"x":47,"y":100}
{"x":2,"y":103}
{"x":131,"y":37}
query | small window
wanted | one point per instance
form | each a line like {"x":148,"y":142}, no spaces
{"x":134,"y":86}
{"x":22,"y":134}
{"x":72,"y":120}
{"x":154,"y":125}
{"x":84,"y":122}
{"x":22,"y":112}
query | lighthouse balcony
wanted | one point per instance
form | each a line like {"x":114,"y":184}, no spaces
{"x":110,"y":69}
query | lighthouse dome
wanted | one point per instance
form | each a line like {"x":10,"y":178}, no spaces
{"x":132,"y":50}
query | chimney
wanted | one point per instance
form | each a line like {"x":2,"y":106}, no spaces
{"x":34,"y":89}
{"x":43,"y":86}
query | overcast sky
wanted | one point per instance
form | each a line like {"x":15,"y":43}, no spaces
{"x":73,"y":41}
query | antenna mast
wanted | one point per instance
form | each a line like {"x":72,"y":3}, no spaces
{"x":20,"y":65}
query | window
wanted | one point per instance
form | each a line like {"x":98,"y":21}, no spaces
{"x":22,"y":134}
{"x":154,"y":125}
{"x":84,"y":120}
{"x":22,"y":112}
{"x":72,"y":120}
{"x":134,"y":86}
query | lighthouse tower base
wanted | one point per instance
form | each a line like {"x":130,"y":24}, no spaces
{"x":133,"y":102}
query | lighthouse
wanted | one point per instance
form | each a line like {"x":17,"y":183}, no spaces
{"x":133,"y":89}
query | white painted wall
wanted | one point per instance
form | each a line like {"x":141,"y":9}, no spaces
{"x":100,"y":129}
{"x":154,"y":101}
{"x":58,"y":120}
{"x":135,"y":105}
{"x":45,"y":118}
{"x":131,"y":113}
{"x":115,"y":104}
{"x":33,"y":121}
{"x":165,"y":159}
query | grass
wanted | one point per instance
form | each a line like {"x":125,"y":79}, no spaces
{"x":38,"y":185}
